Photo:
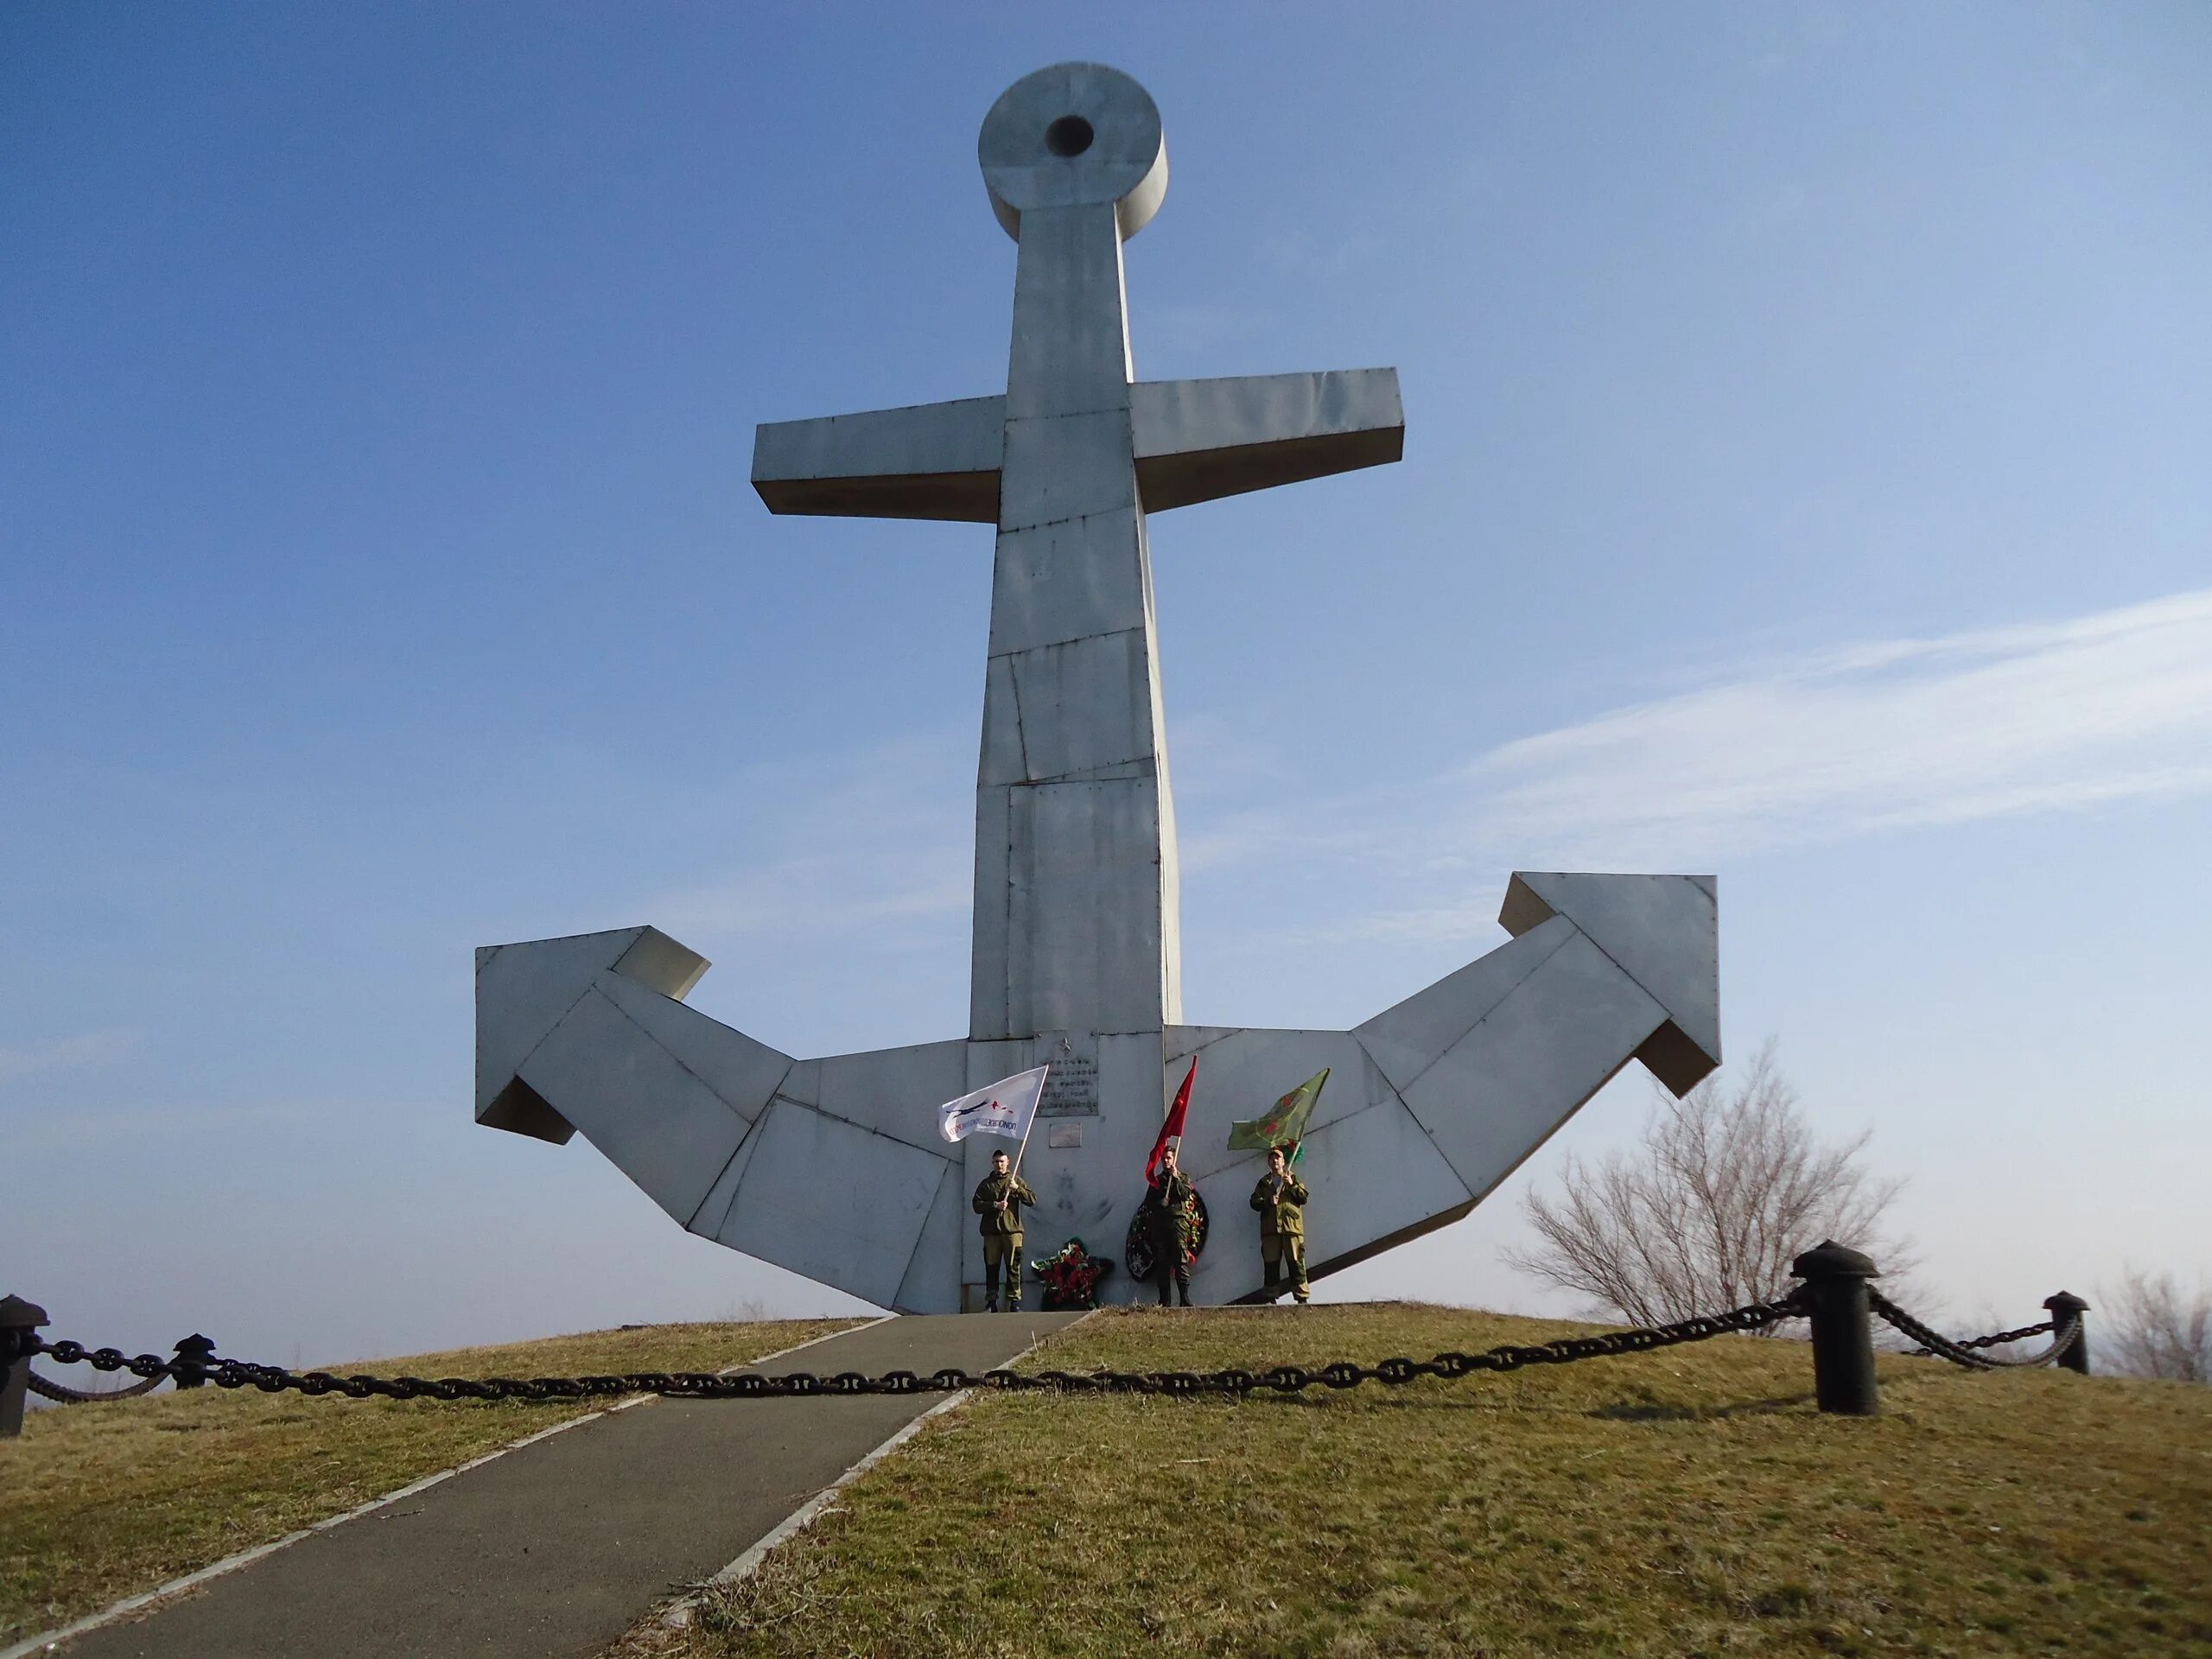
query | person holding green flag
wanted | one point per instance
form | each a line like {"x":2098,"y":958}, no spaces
{"x":1280,"y":1197}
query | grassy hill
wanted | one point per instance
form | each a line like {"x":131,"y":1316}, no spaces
{"x":1690,"y":1501}
{"x":1687,"y":1502}
{"x":97,"y":1503}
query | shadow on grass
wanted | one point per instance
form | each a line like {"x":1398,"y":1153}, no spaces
{"x":1648,"y":1414}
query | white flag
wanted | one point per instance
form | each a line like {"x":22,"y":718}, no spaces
{"x":1003,"y":1107}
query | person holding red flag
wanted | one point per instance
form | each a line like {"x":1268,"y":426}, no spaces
{"x":1169,"y":1212}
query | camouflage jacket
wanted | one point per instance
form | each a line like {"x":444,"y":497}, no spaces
{"x":1169,"y":1212}
{"x":1006,"y":1223}
{"x":1281,"y":1208}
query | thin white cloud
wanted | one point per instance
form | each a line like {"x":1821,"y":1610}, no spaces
{"x":1824,"y":744}
{"x":1846,"y":740}
{"x":1973,"y":725}
{"x":84,"y":1052}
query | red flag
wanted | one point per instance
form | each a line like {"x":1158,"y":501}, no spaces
{"x":1172,"y":1128}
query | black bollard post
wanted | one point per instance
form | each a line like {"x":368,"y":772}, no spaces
{"x":2075,"y":1355}
{"x":1843,"y":1328}
{"x":19,"y":1320}
{"x":191,"y":1362}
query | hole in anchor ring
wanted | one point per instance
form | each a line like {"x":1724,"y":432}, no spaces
{"x":1070,"y":136}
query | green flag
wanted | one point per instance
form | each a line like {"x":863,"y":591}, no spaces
{"x":1284,"y":1122}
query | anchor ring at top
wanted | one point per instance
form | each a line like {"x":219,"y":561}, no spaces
{"x":1071,"y":135}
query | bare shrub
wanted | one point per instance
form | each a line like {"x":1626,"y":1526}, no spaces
{"x":2152,"y":1327}
{"x":1728,"y":1184}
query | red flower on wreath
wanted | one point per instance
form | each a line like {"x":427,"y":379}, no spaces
{"x":1071,"y":1275}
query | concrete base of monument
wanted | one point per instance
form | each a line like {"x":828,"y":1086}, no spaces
{"x":833,"y":1167}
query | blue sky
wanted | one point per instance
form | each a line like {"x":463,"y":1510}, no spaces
{"x":1805,"y":480}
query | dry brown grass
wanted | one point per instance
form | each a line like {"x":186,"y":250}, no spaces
{"x":101,"y":1502}
{"x":1690,"y":1501}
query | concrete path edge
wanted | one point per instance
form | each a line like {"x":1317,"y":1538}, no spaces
{"x":678,"y":1613}
{"x":147,"y":1598}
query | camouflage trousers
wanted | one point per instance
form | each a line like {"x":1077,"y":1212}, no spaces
{"x":1173,"y":1267}
{"x":1276,"y":1251}
{"x":1003,"y":1251}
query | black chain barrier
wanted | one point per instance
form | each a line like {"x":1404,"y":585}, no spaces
{"x":67,"y":1396}
{"x":1966,"y":1351}
{"x":751,"y":1385}
{"x":1996,"y":1338}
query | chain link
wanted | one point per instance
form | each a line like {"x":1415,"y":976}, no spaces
{"x":1964,"y":1351}
{"x":68,"y":1397}
{"x":753,"y":1385}
{"x":1999,"y":1339}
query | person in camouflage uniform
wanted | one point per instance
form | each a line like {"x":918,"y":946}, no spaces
{"x":1171,"y":1222}
{"x":1280,"y":1199}
{"x":999,"y":1199}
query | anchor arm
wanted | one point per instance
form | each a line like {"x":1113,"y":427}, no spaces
{"x":930,"y":460}
{"x":1201,"y":440}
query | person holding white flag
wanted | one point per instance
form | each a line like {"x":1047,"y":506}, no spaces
{"x":999,"y":1198}
{"x":1008,"y":1108}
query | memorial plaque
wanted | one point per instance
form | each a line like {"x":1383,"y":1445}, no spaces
{"x":1071,"y":1086}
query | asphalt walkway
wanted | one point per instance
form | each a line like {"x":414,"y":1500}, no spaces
{"x":556,"y":1549}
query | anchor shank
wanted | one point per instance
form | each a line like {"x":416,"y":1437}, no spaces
{"x":1076,"y":893}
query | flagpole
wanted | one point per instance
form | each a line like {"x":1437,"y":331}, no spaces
{"x":1033,"y":1110}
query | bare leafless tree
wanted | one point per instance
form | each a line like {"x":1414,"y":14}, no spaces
{"x":1728,"y":1185}
{"x":2152,"y":1327}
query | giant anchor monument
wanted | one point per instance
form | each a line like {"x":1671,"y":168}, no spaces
{"x":833,"y":1167}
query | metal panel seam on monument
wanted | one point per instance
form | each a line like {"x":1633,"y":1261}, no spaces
{"x":849,"y":1122}
{"x":1178,"y":1056}
{"x":637,"y":1141}
{"x":1412,"y":1115}
{"x":618,"y":993}
{"x":1013,"y":686}
{"x":1149,"y":626}
{"x":1119,"y":771}
{"x":1063,"y":678}
{"x":722,"y":1174}
{"x":1130,"y":770}
{"x":745,"y":1127}
{"x":1508,"y":1173}
{"x":1069,"y":518}
{"x":922,"y":1233}
{"x":735,"y":1110}
{"x":744,"y":1133}
{"x":1120,"y":407}
{"x":1632,"y":979}
{"x":1475,"y":1025}
{"x":1635,"y":980}
{"x":554,"y":1025}
{"x":1007,"y":655}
